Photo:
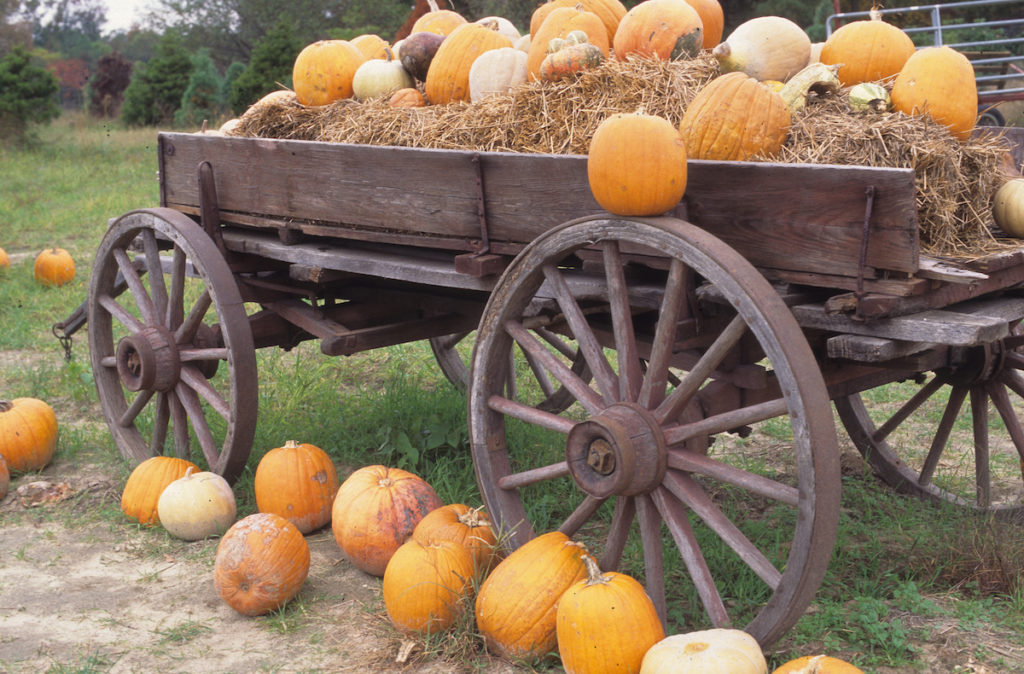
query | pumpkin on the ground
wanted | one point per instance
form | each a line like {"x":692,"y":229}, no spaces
{"x":5,"y":478}
{"x":427,"y":585}
{"x":714,"y":651}
{"x":54,"y":267}
{"x":141,"y":496}
{"x":298,"y":482}
{"x":196,"y":506}
{"x":323,"y":71}
{"x":817,"y":664}
{"x":939,"y":82}
{"x":5,"y":259}
{"x":261,"y":563}
{"x":28,"y":434}
{"x":666,"y":29}
{"x":605,"y":623}
{"x":375,"y":511}
{"x":469,"y":527}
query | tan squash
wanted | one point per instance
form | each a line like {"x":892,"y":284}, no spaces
{"x":766,"y":48}
{"x":1008,"y":207}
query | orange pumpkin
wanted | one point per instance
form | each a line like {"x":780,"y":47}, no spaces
{"x":261,"y":563}
{"x":28,"y":433}
{"x":407,"y":98}
{"x":5,"y":478}
{"x":439,"y":22}
{"x":5,"y":260}
{"x":323,"y":71}
{"x":712,"y":20}
{"x":516,"y":604}
{"x":458,"y":523}
{"x":375,"y":510}
{"x":54,"y":267}
{"x":735,"y":117}
{"x":868,"y":50}
{"x":939,"y":82}
{"x":559,"y":23}
{"x":427,"y":586}
{"x":637,"y":165}
{"x":297,"y":482}
{"x":372,"y":46}
{"x":605,"y":623}
{"x":666,"y":29}
{"x":817,"y":664}
{"x":448,"y":76}
{"x":609,"y":11}
{"x":141,"y":495}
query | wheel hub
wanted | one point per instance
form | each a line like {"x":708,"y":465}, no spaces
{"x":620,"y":451}
{"x":148,"y":360}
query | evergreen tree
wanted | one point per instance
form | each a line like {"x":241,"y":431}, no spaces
{"x":230,"y":76}
{"x":269,"y":69}
{"x":28,"y":95}
{"x":157,"y":87}
{"x":202,"y":99}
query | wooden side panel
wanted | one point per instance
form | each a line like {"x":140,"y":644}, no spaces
{"x":784,"y":216}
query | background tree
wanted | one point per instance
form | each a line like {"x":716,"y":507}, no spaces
{"x":155,"y":92}
{"x":28,"y":95}
{"x":269,"y":69}
{"x":202,"y":99}
{"x":106,"y":88}
{"x":71,"y":28}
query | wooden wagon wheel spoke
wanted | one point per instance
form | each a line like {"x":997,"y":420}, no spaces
{"x":587,"y":396}
{"x":187,"y":367}
{"x":979,"y":422}
{"x":1015,"y":360}
{"x":618,"y":532}
{"x":725,"y":421}
{"x":539,"y":374}
{"x":941,"y":439}
{"x":909,"y":407}
{"x":1005,"y":408}
{"x":649,"y":522}
{"x":533,"y":476}
{"x":692,"y":462}
{"x":579,"y":517}
{"x":630,"y":373}
{"x":652,"y":390}
{"x":530,"y":414}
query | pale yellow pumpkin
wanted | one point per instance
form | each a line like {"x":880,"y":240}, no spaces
{"x":197,"y":506}
{"x":714,"y":651}
{"x":495,"y":72}
{"x":1008,"y":207}
{"x":766,"y":48}
{"x":503,"y":26}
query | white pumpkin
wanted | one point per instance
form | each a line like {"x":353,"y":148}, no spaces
{"x":229,"y":127}
{"x":496,"y":71}
{"x":1008,"y":207}
{"x":503,"y":26}
{"x":522,"y":44}
{"x":766,"y":48}
{"x":714,"y":651}
{"x":379,"y":77}
{"x":196,"y":506}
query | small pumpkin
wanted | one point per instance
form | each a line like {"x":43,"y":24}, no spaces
{"x":427,"y":585}
{"x":1008,"y":207}
{"x":665,"y":29}
{"x":637,"y":164}
{"x":766,"y":48}
{"x":817,"y":664}
{"x":323,"y":71}
{"x":230,"y":127}
{"x":516,"y":604}
{"x":196,"y":506}
{"x":54,"y":267}
{"x":605,"y":623}
{"x":5,"y":478}
{"x":609,"y":11}
{"x":298,"y":482}
{"x":559,"y":23}
{"x":448,"y":76}
{"x":372,"y":46}
{"x":28,"y":434}
{"x":5,"y":260}
{"x":375,"y":511}
{"x":867,"y":51}
{"x":409,"y":97}
{"x":378,"y":78}
{"x":495,"y":72}
{"x":939,"y":82}
{"x":469,"y":527}
{"x":714,"y":651}
{"x":261,"y":563}
{"x":734,"y":117}
{"x":569,"y":61}
{"x":141,"y":496}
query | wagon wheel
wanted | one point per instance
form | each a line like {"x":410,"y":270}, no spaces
{"x":175,"y":365}
{"x":974,"y":456}
{"x":634,"y":451}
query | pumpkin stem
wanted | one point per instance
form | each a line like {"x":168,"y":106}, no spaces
{"x":291,"y":444}
{"x":474,"y":517}
{"x":594,"y":575}
{"x":189,"y":471}
{"x":813,"y":666}
{"x":387,"y":52}
{"x":433,"y":5}
{"x":875,"y":13}
{"x":6,"y":405}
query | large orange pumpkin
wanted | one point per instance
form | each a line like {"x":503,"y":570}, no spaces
{"x":427,"y":586}
{"x":141,"y":496}
{"x":323,"y":71}
{"x":28,"y":433}
{"x":516,"y":605}
{"x":261,"y":563}
{"x":605,"y":623}
{"x":559,"y":23}
{"x":939,"y":82}
{"x":298,"y":482}
{"x":712,"y":20}
{"x":637,"y":165}
{"x":375,"y":510}
{"x":54,"y":267}
{"x":735,"y":117}
{"x":448,"y":76}
{"x":666,"y":29}
{"x":465,"y":526}
{"x":868,"y":50}
{"x":609,"y":11}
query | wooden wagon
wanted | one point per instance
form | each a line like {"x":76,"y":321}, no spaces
{"x":640,"y":351}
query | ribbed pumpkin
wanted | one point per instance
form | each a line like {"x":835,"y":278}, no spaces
{"x":516,"y":605}
{"x":1008,"y":207}
{"x":560,"y":22}
{"x":939,"y":81}
{"x":609,"y":11}
{"x":766,"y":48}
{"x":712,"y":20}
{"x":439,"y":22}
{"x":375,"y":510}
{"x":605,"y":623}
{"x":817,"y":664}
{"x":666,"y":29}
{"x":141,"y":495}
{"x":323,"y":71}
{"x":734,"y":117}
{"x":407,"y":98}
{"x":465,"y":526}
{"x":261,"y":563}
{"x":54,"y":267}
{"x":868,"y":50}
{"x":637,"y":164}
{"x":372,"y":46}
{"x":448,"y":76}
{"x":714,"y":651}
{"x":196,"y":506}
{"x":298,"y":482}
{"x":5,"y":477}
{"x":28,"y":433}
{"x":427,"y":586}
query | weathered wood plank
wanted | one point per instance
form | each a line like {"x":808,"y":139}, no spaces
{"x":864,"y":349}
{"x":937,"y":326}
{"x":941,"y":270}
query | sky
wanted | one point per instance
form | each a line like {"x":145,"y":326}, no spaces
{"x":121,"y":14}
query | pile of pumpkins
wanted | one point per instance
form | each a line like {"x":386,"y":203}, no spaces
{"x":441,"y":565}
{"x":52,"y":266}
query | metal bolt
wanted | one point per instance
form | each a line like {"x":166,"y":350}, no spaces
{"x":600,"y":457}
